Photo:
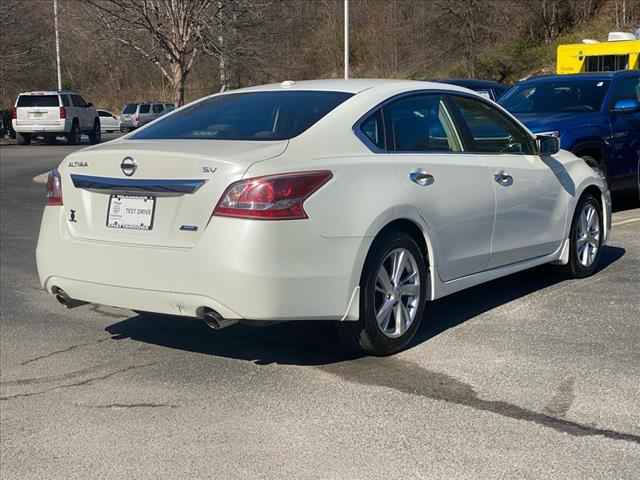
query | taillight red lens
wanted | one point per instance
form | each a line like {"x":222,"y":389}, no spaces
{"x":14,"y":114}
{"x":274,"y":197}
{"x":63,"y":113}
{"x":54,"y":188}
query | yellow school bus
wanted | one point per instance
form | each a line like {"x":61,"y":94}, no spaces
{"x":598,"y":56}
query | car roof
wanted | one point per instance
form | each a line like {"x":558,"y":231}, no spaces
{"x":49,"y":92}
{"x":581,"y":76}
{"x":472,"y":83}
{"x":351,"y":86}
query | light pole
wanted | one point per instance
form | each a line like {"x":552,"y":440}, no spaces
{"x":55,"y":22}
{"x":346,"y":39}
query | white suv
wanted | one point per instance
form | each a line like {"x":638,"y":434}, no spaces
{"x":52,"y":114}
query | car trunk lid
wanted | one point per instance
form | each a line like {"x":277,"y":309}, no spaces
{"x":153,"y":192}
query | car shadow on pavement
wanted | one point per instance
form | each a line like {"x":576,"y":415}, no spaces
{"x":316,"y":343}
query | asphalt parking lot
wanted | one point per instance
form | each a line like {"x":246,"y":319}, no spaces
{"x":530,"y":377}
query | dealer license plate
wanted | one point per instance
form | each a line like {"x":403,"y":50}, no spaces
{"x":131,"y":212}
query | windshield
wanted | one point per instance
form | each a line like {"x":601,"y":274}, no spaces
{"x":247,"y":116}
{"x":38,"y":101}
{"x":130,"y":108}
{"x":562,"y":96}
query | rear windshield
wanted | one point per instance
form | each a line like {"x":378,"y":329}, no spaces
{"x":130,"y":108}
{"x":38,"y":101}
{"x":247,"y":116}
{"x":575,"y":96}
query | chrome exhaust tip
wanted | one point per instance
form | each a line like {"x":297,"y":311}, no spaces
{"x":214,"y":320}
{"x":66,"y":300}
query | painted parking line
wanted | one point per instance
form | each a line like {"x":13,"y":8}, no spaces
{"x":42,"y":178}
{"x":625,"y":222}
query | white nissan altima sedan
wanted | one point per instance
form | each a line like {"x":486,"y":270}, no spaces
{"x":357,"y":201}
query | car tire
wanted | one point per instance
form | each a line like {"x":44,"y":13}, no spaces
{"x":23,"y":138}
{"x":73,"y":137}
{"x":585,"y":240}
{"x":390,"y":316}
{"x":96,"y":134}
{"x":50,"y":139}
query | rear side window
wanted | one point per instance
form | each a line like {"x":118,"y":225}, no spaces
{"x":130,"y":108}
{"x":420,"y":123}
{"x":372,"y":129}
{"x":65,"y":100}
{"x":489,"y":131}
{"x":38,"y":101}
{"x":561,"y":96}
{"x":157,"y":108}
{"x":102,"y":113}
{"x":145,"y":108}
{"x":278,"y":115}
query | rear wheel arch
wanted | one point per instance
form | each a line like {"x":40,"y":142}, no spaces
{"x":415,"y":231}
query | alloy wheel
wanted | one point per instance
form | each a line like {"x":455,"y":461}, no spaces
{"x":588,"y":235}
{"x":397,"y":293}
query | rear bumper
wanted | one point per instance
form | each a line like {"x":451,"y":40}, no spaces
{"x":252,"y":270}
{"x":35,"y":128}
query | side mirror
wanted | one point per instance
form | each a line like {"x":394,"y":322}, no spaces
{"x":548,"y":145}
{"x":626,"y":106}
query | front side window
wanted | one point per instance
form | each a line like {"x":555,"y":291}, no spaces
{"x":627,"y":89}
{"x":157,"y":108}
{"x":78,"y":101}
{"x":562,"y":96}
{"x":420,"y":123}
{"x":489,"y":131}
{"x":38,"y":101}
{"x":264,"y":115}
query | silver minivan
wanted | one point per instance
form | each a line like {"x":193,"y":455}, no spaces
{"x":135,"y":115}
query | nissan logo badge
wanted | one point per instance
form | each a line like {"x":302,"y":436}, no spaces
{"x":128,"y":166}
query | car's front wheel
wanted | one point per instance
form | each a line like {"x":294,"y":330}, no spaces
{"x":586,"y":237}
{"x":393,"y":291}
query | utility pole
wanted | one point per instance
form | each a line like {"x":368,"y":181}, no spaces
{"x":346,"y":39}
{"x":55,"y":22}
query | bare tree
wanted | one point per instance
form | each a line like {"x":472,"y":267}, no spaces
{"x":168,"y":33}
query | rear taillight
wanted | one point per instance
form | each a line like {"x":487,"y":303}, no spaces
{"x":54,"y":188}
{"x":274,"y":197}
{"x":63,"y":113}
{"x":14,"y":114}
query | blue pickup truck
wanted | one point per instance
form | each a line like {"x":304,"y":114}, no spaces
{"x":595,"y":115}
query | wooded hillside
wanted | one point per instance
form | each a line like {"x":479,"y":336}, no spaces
{"x":116,"y":51}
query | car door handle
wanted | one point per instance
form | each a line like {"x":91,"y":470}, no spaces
{"x":421,"y":177}
{"x":503,"y":179}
